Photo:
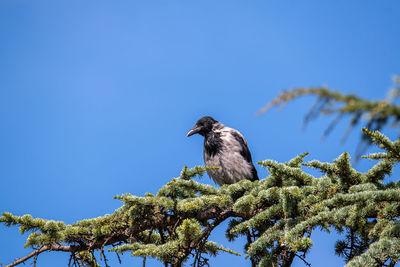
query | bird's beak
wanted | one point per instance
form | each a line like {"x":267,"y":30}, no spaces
{"x":193,"y":131}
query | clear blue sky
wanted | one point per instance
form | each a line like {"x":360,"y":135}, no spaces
{"x":96,"y":96}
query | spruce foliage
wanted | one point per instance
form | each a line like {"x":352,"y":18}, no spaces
{"x":277,"y":215}
{"x":374,"y":115}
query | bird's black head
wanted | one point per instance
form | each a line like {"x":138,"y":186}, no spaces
{"x":203,"y":126}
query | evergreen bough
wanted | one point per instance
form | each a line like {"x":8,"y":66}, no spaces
{"x":277,"y":215}
{"x":375,"y":114}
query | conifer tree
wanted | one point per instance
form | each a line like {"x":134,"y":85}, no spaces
{"x":277,"y":214}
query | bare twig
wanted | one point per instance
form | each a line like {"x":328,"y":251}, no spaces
{"x":303,"y":259}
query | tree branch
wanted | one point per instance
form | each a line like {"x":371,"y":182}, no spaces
{"x":40,"y":250}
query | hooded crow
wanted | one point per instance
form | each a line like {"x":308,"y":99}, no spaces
{"x":227,"y":149}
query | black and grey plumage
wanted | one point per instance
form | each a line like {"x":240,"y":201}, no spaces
{"x":227,"y":149}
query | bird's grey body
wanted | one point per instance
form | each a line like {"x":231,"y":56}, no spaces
{"x":225,"y":147}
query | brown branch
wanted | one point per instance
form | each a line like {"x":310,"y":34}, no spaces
{"x":43,"y":249}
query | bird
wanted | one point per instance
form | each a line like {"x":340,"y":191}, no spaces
{"x":225,"y":148}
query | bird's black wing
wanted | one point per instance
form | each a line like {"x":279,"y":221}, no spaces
{"x":245,"y":152}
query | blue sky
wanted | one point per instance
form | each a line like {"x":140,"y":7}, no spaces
{"x":96,"y":96}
